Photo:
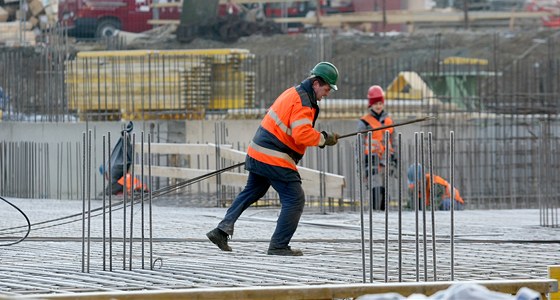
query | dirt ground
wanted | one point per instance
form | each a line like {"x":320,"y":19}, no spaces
{"x":338,"y":45}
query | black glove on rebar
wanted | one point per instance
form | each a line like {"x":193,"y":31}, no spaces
{"x":331,"y":138}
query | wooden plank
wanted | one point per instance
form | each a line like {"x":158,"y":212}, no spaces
{"x":163,"y":22}
{"x":310,"y":184}
{"x":180,"y":3}
{"x":401,"y":17}
{"x":323,"y":291}
{"x":334,"y":183}
{"x":10,"y":27}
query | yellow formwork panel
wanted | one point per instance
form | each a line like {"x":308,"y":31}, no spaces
{"x":554,"y":273}
{"x":111,"y":103}
{"x":159,"y":80}
{"x":131,"y":53}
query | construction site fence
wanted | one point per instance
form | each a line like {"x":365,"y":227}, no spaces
{"x":52,"y":84}
{"x":505,"y":112}
{"x":493,"y":168}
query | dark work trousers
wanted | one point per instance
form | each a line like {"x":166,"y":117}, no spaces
{"x":377,"y":192}
{"x":292,"y":200}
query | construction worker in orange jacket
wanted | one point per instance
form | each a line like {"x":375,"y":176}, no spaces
{"x":442,"y":190}
{"x":375,"y":118}
{"x":272,"y":156}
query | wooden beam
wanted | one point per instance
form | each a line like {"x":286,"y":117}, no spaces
{"x":310,"y":178}
{"x":180,"y":3}
{"x":164,"y":22}
{"x":323,"y":291}
{"x":402,"y":17}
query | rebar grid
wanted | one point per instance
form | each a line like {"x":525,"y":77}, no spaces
{"x":49,"y":259}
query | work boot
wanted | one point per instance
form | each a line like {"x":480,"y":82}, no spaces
{"x":218,"y":237}
{"x":288,"y":251}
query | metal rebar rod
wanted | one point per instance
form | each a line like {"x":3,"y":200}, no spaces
{"x":69,"y":169}
{"x":83,"y":204}
{"x":78,"y":173}
{"x":416,"y":203}
{"x":150,"y":199}
{"x":104,"y":205}
{"x":360,"y":155}
{"x":431,"y":163}
{"x":110,"y":179}
{"x":142,"y":195}
{"x":125,"y":191}
{"x":47,"y":170}
{"x":386,"y":208}
{"x":58,"y":170}
{"x":371,"y":195}
{"x":424,"y":230}
{"x":89,"y":201}
{"x":132,"y":188}
{"x":399,"y":165}
{"x":452,"y":204}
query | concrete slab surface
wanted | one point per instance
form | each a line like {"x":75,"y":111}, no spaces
{"x":488,"y":244}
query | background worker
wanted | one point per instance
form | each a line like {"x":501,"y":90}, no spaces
{"x":442,"y":190}
{"x":278,"y":145}
{"x":375,"y":118}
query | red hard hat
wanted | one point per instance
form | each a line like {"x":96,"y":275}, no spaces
{"x":375,"y":94}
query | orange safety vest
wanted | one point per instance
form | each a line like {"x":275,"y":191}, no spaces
{"x":440,"y":181}
{"x":377,"y":137}
{"x":137,"y":184}
{"x":286,"y":131}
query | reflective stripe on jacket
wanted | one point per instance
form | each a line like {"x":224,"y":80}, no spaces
{"x":377,"y":137}
{"x":284,"y":134}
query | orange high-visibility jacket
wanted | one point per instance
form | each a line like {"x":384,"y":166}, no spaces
{"x":442,"y":185}
{"x":378,"y":137}
{"x":284,"y":134}
{"x":137,"y":184}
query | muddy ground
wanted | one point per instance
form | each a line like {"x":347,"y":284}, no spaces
{"x":537,"y":43}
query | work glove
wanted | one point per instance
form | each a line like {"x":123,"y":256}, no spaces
{"x":331,"y":138}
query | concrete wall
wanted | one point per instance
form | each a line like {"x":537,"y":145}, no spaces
{"x":242,"y":131}
{"x":63,"y":139}
{"x":69,"y":136}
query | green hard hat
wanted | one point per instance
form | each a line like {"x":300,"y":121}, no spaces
{"x":327,"y":72}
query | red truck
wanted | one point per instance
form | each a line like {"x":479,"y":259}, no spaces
{"x":548,"y":6}
{"x":99,"y":18}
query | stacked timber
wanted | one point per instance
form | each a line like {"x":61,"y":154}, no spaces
{"x":16,"y":34}
{"x":21,"y":24}
{"x":150,"y":84}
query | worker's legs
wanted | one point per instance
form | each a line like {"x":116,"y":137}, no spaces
{"x":292,"y":200}
{"x":256,"y":187}
{"x":378,"y":196}
{"x":446,"y":205}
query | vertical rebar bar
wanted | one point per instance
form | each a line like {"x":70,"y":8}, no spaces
{"x":360,"y":155}
{"x":110,"y":193}
{"x":423,"y":185}
{"x":142,"y":193}
{"x":415,"y":199}
{"x":386,"y":208}
{"x":399,"y":166}
{"x":132,"y":188}
{"x":83,"y":203}
{"x":371,"y":199}
{"x":89,"y":200}
{"x":104,"y":205}
{"x":150,"y":182}
{"x":124,"y":190}
{"x":431,"y":166}
{"x":452,"y":204}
